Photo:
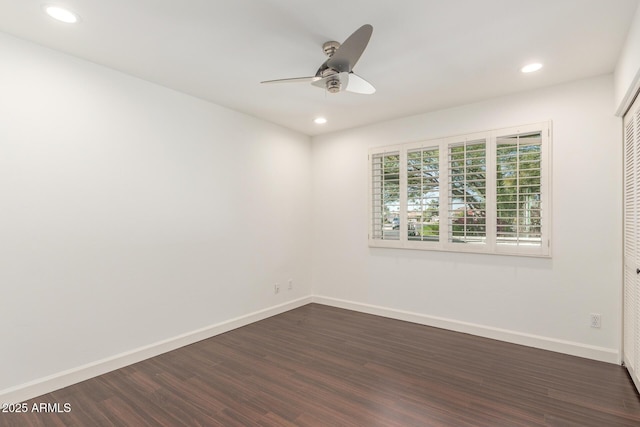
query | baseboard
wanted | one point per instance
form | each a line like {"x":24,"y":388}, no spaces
{"x":561,"y":346}
{"x":72,"y":376}
{"x":63,"y":379}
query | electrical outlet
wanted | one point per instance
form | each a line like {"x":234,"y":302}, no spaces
{"x":290,"y":284}
{"x":596,"y":320}
{"x":276,"y":288}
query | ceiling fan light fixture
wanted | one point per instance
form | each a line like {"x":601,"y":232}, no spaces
{"x":320,"y":120}
{"x":61,"y":14}
{"x":531,"y":68}
{"x":334,"y":85}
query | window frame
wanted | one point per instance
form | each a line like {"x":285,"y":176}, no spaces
{"x":491,"y":245}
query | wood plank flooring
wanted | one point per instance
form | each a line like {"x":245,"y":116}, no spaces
{"x":323,"y":366}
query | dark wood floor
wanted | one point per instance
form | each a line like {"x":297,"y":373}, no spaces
{"x":322,"y":366}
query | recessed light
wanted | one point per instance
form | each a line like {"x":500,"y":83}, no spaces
{"x":530,"y":68}
{"x":319,"y":120}
{"x":61,"y":14}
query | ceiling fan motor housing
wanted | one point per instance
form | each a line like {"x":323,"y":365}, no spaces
{"x":330,"y":47}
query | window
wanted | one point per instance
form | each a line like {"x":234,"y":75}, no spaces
{"x":467,"y":198}
{"x":423,"y":187}
{"x":386,"y":196}
{"x":487,"y":192}
{"x":519,"y":191}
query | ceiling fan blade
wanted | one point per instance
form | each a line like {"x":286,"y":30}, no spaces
{"x":359,"y":85}
{"x":294,"y":80}
{"x":345,"y":58}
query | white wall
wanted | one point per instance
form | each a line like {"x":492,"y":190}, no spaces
{"x":547,"y":299}
{"x":131,"y":214}
{"x":627,"y":73}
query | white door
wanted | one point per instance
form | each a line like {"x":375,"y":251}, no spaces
{"x":631,"y":343}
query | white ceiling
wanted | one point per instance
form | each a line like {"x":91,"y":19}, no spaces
{"x":424,"y":54}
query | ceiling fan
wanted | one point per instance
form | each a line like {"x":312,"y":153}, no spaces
{"x":336,"y":73}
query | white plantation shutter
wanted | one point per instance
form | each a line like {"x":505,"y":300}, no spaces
{"x":385,"y":195}
{"x":519,"y":190}
{"x":631,"y":293}
{"x":487,"y":192}
{"x":423,"y":194}
{"x":467,"y":200}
